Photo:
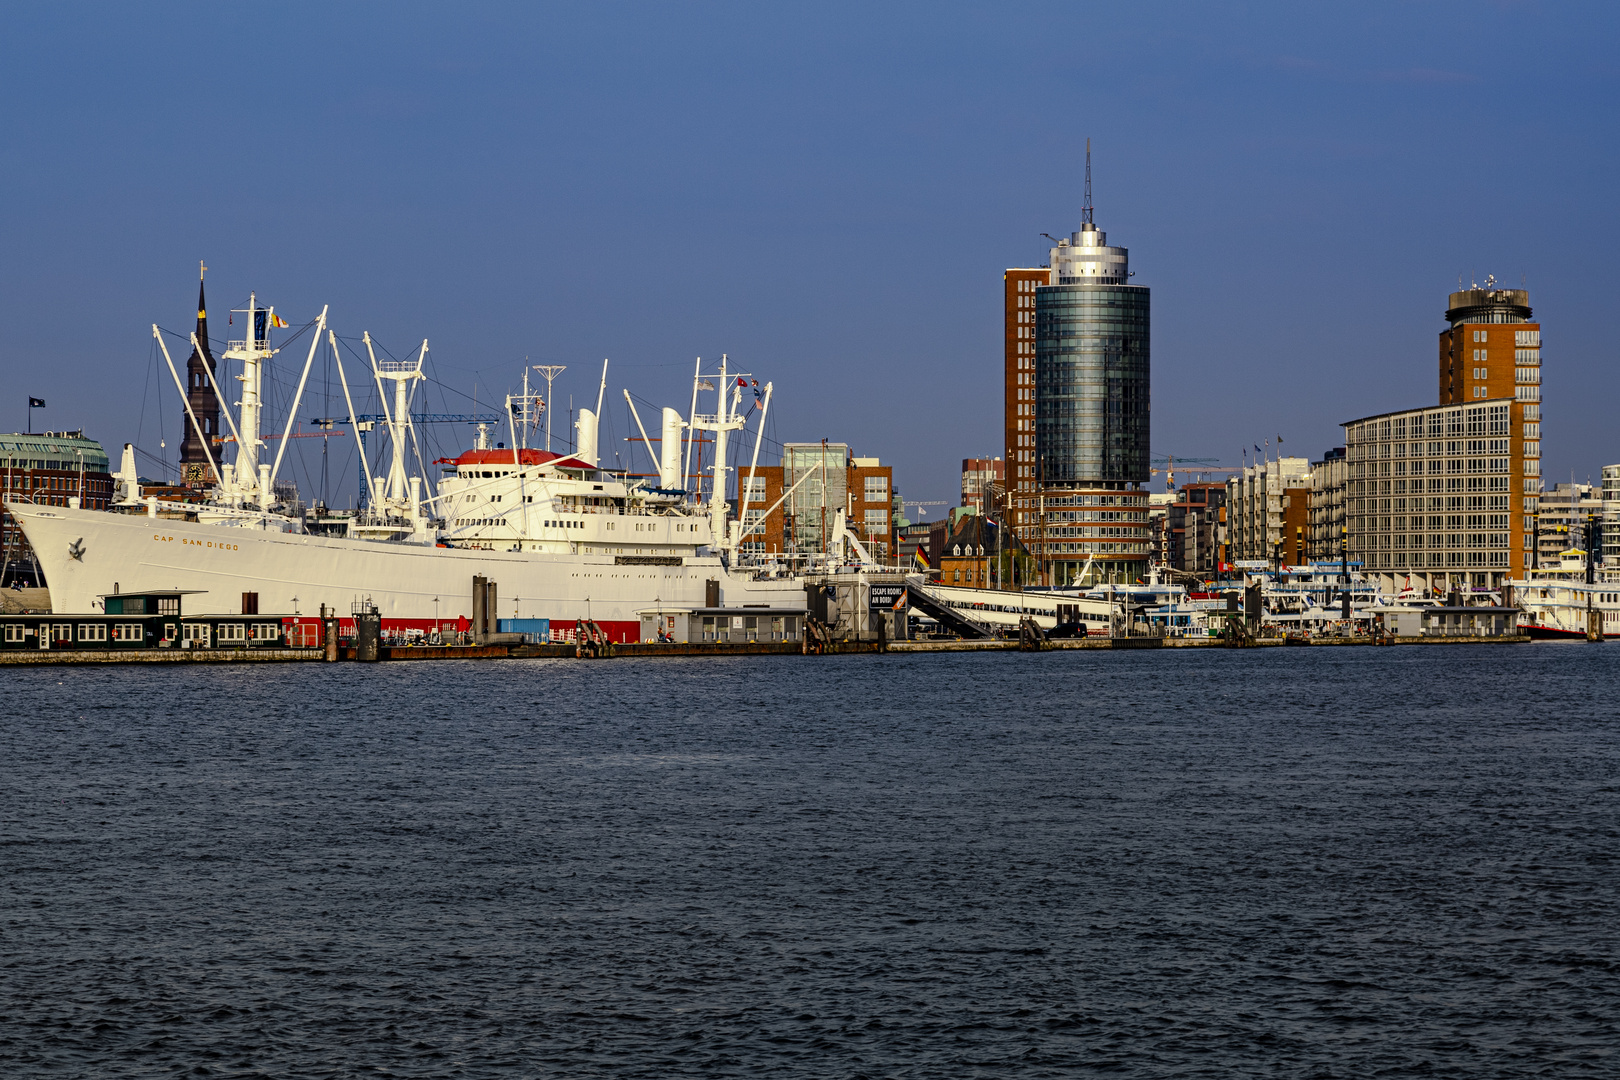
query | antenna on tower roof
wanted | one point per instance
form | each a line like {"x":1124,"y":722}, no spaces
{"x":1085,"y":211}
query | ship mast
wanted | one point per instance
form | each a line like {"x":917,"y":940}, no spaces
{"x":724,"y":419}
{"x":402,"y":373}
{"x":253,"y":351}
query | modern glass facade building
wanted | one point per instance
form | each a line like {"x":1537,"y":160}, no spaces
{"x":1091,"y":382}
{"x":1090,"y":405}
{"x":810,"y":509}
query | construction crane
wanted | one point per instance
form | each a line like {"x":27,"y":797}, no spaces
{"x":420,"y":418}
{"x":220,"y":440}
{"x":1197,"y":466}
{"x":920,"y":504}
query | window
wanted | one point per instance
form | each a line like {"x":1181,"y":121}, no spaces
{"x":876,"y":521}
{"x":753,"y":489}
{"x":232,"y":632}
{"x":127,"y":632}
{"x":877,"y":489}
{"x":92,"y":631}
{"x":14,"y":633}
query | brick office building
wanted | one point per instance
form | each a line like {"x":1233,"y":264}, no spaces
{"x":1195,"y":527}
{"x":1449,"y":495}
{"x":833,"y":479}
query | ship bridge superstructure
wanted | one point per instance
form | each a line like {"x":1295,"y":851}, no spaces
{"x":535,"y":500}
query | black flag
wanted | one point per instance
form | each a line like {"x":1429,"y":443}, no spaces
{"x":36,"y":403}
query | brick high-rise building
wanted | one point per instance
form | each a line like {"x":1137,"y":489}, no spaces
{"x":1490,"y":337}
{"x":1448,"y":496}
{"x":1492,"y":350}
{"x":980,"y":475}
{"x":1018,"y":320}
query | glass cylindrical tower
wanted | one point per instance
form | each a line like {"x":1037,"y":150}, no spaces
{"x":1091,"y":368}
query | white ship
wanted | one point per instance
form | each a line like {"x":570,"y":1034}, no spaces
{"x":1556,"y":601}
{"x":560,"y":538}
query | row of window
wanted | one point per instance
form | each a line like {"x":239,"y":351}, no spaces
{"x":1415,"y":541}
{"x":1435,"y":521}
{"x":92,"y":633}
{"x":98,"y":464}
{"x":1418,"y":560}
{"x":14,"y":482}
{"x":1436,"y":502}
{"x":1450,"y":465}
{"x":1094,"y":548}
{"x":1466,"y":420}
{"x":1454,"y":448}
{"x":1436,"y":484}
{"x":1092,"y":530}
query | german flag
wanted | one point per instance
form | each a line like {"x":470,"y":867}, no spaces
{"x":919,"y":560}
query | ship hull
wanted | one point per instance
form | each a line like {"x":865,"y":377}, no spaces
{"x":1556,"y":633}
{"x":88,"y":554}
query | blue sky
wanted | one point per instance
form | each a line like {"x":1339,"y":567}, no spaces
{"x":827,"y":193}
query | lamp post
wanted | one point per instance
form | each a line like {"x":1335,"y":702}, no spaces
{"x":1594,"y":629}
{"x":1344,"y":571}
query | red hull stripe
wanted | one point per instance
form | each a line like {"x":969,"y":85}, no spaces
{"x":619,"y":633}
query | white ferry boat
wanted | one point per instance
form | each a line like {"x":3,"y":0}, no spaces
{"x":1554,"y":601}
{"x":561,"y":538}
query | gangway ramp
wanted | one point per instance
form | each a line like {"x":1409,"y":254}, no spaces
{"x":920,"y":595}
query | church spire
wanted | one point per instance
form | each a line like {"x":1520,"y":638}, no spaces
{"x":200,"y":367}
{"x":202,"y":307}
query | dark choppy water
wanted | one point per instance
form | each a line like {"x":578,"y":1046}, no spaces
{"x":1324,"y":863}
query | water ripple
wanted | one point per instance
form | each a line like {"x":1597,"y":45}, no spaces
{"x":1323,"y":863}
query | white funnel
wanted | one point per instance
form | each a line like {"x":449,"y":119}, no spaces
{"x":585,"y":430}
{"x":669,"y":456}
{"x":129,"y":484}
